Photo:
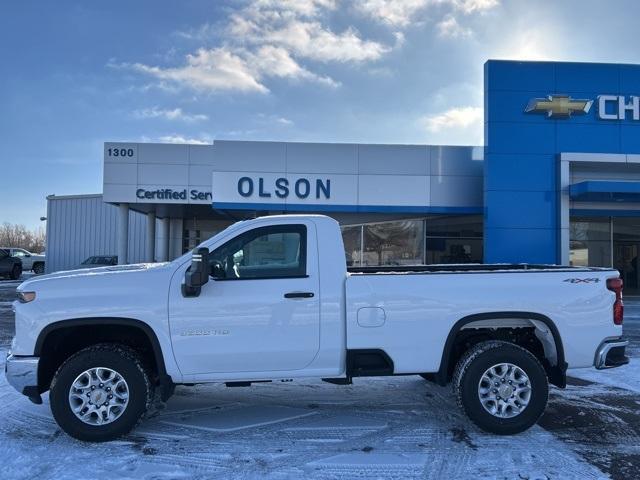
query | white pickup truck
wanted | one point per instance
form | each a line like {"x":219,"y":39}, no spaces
{"x":30,"y":261}
{"x":271,"y":299}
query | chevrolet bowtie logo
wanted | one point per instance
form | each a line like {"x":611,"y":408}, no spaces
{"x":558,"y":106}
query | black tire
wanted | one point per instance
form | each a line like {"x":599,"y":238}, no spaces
{"x":128,"y":364}
{"x":16,"y":271}
{"x":38,"y":268}
{"x":472,"y":366}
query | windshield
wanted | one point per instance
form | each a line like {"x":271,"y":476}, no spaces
{"x":88,"y":261}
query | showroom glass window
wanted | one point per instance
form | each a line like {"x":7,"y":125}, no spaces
{"x":454,"y":239}
{"x":437,"y":239}
{"x":590,"y":242}
{"x":393,"y":243}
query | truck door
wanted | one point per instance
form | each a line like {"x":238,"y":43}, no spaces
{"x":260,"y":310}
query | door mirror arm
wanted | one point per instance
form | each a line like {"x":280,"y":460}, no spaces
{"x":197,"y":274}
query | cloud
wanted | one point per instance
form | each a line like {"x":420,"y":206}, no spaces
{"x":219,"y":69}
{"x":182,"y":139}
{"x":216,"y":69}
{"x":201,"y":33}
{"x":395,"y":12}
{"x":471,"y":6}
{"x":309,"y":8}
{"x":453,"y":118}
{"x":267,"y":119}
{"x":267,"y":39}
{"x":449,"y":27}
{"x":458,"y":125}
{"x":270,"y":61}
{"x":296,"y":26}
{"x":402,"y":13}
{"x":175,"y":114}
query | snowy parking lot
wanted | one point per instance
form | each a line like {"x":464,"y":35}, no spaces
{"x":393,"y":427}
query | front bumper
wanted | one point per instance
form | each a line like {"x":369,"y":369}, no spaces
{"x":22,"y":374}
{"x":611,"y":354}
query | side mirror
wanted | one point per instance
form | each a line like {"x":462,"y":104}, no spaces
{"x":27,"y":254}
{"x":198,"y":273}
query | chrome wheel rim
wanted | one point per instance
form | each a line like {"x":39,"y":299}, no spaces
{"x":504,"y":390}
{"x":99,"y":396}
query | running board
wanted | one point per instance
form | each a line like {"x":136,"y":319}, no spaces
{"x":338,"y":381}
{"x":245,"y":384}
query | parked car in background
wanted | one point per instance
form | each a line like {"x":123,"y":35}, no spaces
{"x":30,"y":261}
{"x":9,"y":266}
{"x":98,"y":261}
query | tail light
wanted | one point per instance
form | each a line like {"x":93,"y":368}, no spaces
{"x":615,"y":285}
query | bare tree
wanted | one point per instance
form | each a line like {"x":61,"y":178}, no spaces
{"x":19,"y":236}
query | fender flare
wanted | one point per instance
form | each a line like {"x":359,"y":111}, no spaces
{"x":557,"y":373}
{"x":165,"y":380}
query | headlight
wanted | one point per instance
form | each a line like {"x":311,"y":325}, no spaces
{"x":26,"y":297}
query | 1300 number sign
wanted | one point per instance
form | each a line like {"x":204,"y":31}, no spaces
{"x":120,"y":152}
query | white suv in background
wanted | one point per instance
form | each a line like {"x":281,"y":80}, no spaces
{"x":30,"y":261}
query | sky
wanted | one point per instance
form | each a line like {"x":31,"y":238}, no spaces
{"x":77,"y":74}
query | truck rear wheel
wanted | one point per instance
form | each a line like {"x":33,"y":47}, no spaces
{"x":38,"y":268}
{"x":100,"y":393}
{"x":501,"y":387}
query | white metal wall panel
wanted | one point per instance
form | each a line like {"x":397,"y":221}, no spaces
{"x":447,"y":176}
{"x":81,"y":226}
{"x":393,"y":159}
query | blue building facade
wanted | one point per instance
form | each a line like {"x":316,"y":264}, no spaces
{"x":561,"y":141}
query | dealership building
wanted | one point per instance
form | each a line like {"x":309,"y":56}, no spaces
{"x":558,"y":181}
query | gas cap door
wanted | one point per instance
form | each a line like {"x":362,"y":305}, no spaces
{"x":371,"y":317}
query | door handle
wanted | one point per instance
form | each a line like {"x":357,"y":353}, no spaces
{"x":298,"y":295}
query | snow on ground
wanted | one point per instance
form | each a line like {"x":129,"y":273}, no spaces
{"x":393,"y":427}
{"x":384,"y":428}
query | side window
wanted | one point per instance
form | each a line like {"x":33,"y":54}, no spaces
{"x":266,"y":252}
{"x":18,"y":253}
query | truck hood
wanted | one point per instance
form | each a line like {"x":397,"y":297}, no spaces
{"x":91,"y":272}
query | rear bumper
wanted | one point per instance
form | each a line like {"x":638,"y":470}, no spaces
{"x":22,"y":374}
{"x":611,"y":354}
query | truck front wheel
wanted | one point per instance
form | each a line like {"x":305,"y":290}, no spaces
{"x":501,"y":387}
{"x":100,"y":393}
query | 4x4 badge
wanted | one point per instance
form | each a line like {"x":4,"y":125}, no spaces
{"x":582,"y":280}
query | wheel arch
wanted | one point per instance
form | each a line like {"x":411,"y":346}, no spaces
{"x":63,"y":328}
{"x":557,"y":372}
